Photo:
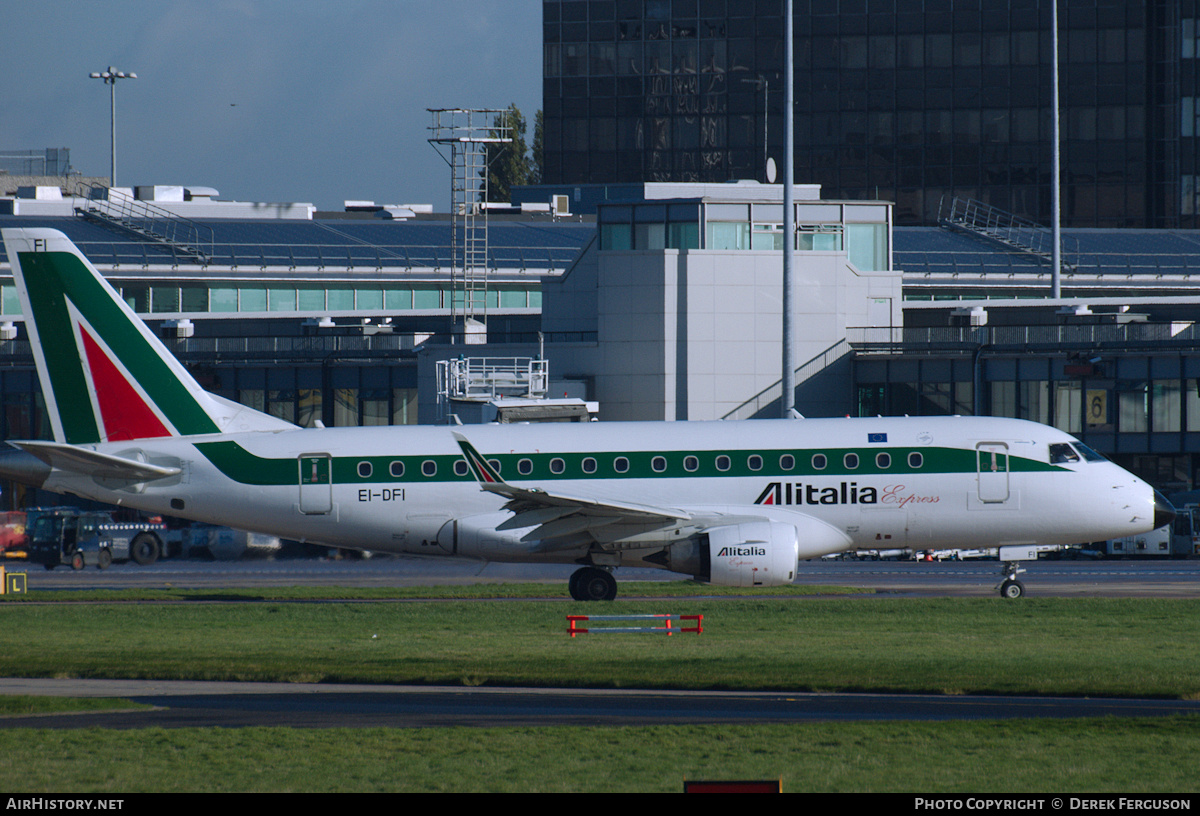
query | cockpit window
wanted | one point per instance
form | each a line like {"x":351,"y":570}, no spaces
{"x":1062,"y":453}
{"x":1088,"y":453}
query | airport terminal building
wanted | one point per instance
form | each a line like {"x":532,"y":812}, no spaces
{"x":666,"y":307}
{"x":923,"y":170}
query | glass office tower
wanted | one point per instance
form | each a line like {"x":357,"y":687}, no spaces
{"x":906,"y":100}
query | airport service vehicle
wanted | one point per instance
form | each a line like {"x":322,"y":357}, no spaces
{"x":1178,"y":540}
{"x":12,"y":531}
{"x":730,"y":503}
{"x":1185,"y":539}
{"x":66,"y":536}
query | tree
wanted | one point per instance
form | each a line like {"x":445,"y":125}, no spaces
{"x":511,"y":164}
{"x":536,"y":173}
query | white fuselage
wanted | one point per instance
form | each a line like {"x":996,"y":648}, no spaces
{"x":844,"y":484}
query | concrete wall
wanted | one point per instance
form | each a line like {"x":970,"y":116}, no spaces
{"x":697,"y":334}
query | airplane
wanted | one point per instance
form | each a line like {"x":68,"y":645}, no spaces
{"x":734,"y":503}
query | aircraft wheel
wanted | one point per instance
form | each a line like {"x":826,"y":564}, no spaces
{"x":77,"y":562}
{"x":103,"y":559}
{"x":144,"y":548}
{"x":1012,"y":589}
{"x":592,"y":584}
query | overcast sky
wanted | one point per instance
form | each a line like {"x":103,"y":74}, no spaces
{"x":265,"y":100}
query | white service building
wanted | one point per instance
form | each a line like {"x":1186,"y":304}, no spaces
{"x":674,"y":310}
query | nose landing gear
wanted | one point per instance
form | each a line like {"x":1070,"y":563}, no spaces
{"x":1010,"y":587}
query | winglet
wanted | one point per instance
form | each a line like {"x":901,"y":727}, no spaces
{"x":483,"y":472}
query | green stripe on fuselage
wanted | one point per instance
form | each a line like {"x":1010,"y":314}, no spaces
{"x":246,"y":468}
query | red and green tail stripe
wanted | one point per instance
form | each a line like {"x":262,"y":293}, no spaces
{"x":106,"y":377}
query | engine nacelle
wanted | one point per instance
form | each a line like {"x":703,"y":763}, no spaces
{"x":753,"y":553}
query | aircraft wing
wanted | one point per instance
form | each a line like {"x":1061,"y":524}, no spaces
{"x":92,"y":463}
{"x":559,"y":515}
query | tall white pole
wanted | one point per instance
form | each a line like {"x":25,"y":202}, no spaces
{"x":1055,"y":167}
{"x":788,"y":403}
{"x":112,"y":120}
{"x":110,"y":78}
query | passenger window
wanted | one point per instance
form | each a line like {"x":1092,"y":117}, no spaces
{"x":850,"y":460}
{"x":819,"y":461}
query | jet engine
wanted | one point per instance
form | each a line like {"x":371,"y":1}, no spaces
{"x":749,"y":554}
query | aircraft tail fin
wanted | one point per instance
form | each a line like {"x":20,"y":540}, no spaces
{"x":104,"y":375}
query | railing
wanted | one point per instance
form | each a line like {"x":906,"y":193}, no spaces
{"x":992,"y":222}
{"x":491,"y":377}
{"x":396,"y":258}
{"x":1008,"y":264}
{"x":487,"y":378}
{"x":233,"y":349}
{"x":942,"y":339}
{"x":537,"y":260}
{"x":180,"y":236}
{"x":774,"y":392}
{"x":669,"y":629}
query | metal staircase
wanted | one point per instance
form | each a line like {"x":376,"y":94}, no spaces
{"x":1001,"y":227}
{"x":184,"y":239}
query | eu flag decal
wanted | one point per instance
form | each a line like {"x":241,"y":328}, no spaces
{"x":876,"y":437}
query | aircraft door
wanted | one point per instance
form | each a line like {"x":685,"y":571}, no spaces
{"x":316,"y":483}
{"x":992,"y":470}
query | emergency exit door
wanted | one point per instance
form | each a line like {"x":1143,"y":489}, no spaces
{"x":992,"y":471}
{"x":316,"y":483}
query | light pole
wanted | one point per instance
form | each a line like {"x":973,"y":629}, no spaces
{"x":788,"y":403}
{"x":1055,"y":166}
{"x":110,"y":78}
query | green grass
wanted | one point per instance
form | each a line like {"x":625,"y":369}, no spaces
{"x":17,"y":705}
{"x":1062,"y":756}
{"x":479,"y":591}
{"x":1114,"y":647}
{"x":1099,"y":647}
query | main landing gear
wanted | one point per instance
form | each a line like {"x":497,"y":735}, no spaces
{"x":1010,"y":587}
{"x":592,"y":584}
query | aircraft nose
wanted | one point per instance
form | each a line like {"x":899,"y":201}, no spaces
{"x":1164,"y":512}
